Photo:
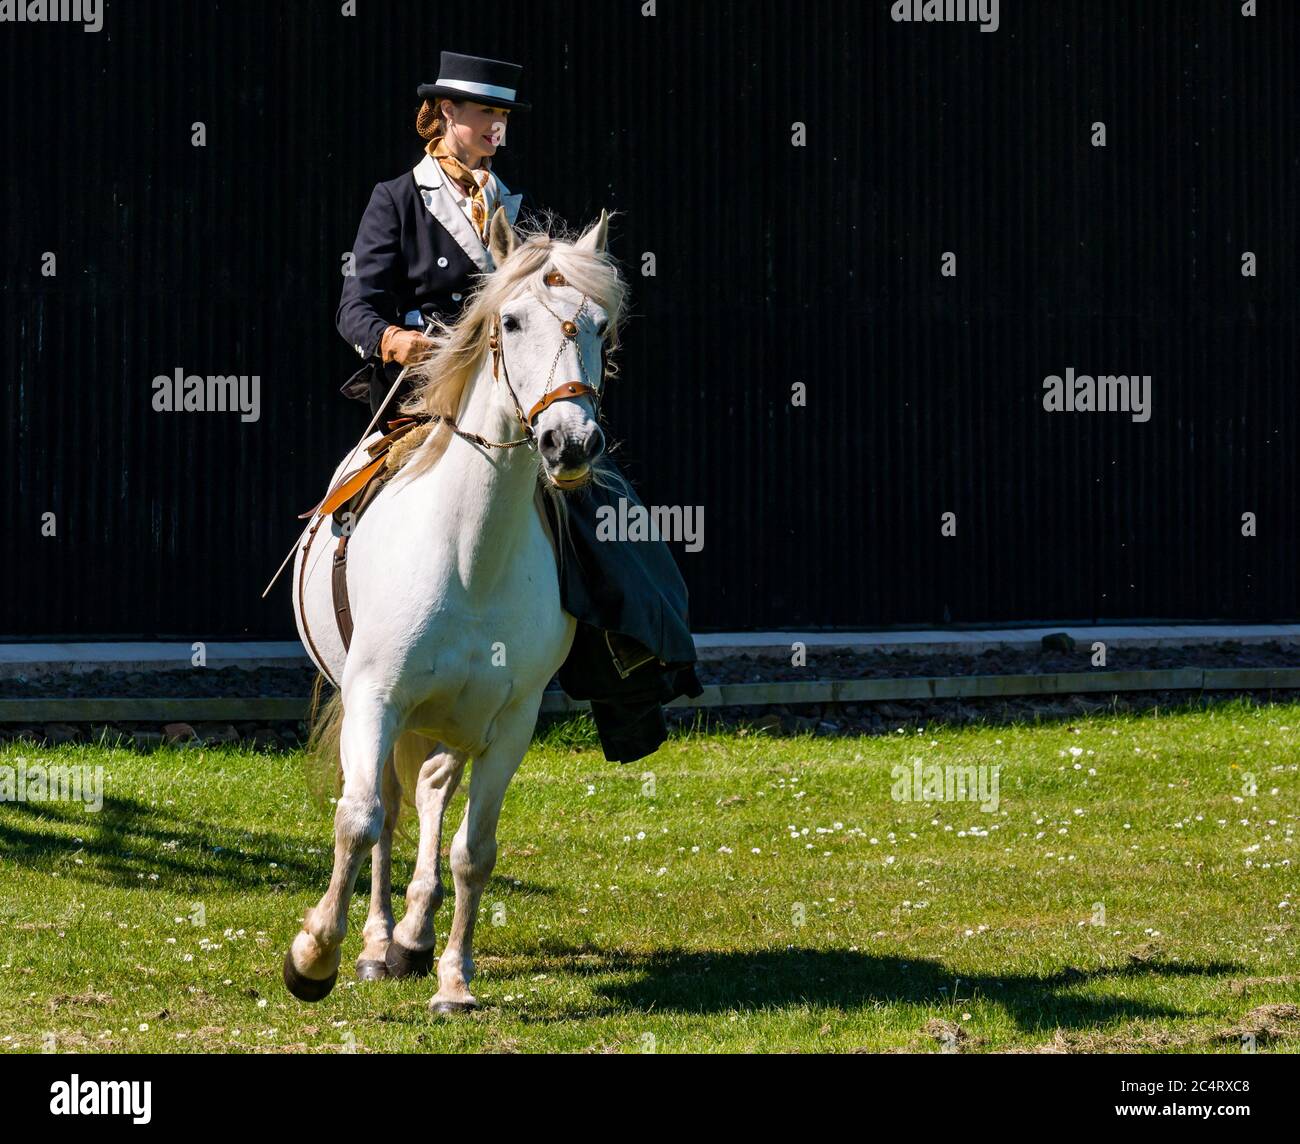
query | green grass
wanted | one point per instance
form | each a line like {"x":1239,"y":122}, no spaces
{"x":694,"y":915}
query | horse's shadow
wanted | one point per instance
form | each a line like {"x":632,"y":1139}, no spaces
{"x":127,"y":838}
{"x":687,"y":982}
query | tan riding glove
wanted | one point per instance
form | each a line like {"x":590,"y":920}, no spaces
{"x":406,"y":347}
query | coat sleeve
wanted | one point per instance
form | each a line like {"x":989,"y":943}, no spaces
{"x":369,"y":303}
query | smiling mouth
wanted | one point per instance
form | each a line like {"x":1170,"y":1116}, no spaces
{"x":491,"y":139}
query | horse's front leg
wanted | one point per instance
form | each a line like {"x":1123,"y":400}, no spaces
{"x":410,"y":954}
{"x":369,"y":727}
{"x":474,"y":852}
{"x":378,"y":931}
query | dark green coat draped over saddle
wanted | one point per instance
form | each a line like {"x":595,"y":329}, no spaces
{"x":633,"y":651}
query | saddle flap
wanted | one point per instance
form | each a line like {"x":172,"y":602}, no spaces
{"x":358,"y":479}
{"x":346,"y":489}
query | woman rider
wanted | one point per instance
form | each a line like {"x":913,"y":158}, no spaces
{"x":422,"y":239}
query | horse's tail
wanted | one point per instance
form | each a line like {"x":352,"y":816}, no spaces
{"x":323,"y":763}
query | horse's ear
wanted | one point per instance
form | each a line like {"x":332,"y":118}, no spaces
{"x":501,"y":236}
{"x":597,"y":238}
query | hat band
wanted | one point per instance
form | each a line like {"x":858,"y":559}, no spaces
{"x":489,"y":89}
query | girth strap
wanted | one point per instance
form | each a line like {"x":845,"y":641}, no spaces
{"x":339,"y":572}
{"x":339,"y":584}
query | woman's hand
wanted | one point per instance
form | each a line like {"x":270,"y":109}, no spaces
{"x":406,"y":347}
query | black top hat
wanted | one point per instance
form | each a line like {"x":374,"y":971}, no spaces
{"x":493,"y":82}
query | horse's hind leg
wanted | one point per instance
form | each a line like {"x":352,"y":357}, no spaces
{"x":312,"y":964}
{"x":474,"y":853}
{"x":378,"y":931}
{"x":410,"y":954}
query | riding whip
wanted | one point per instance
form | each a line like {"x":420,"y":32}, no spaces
{"x":428,"y":330}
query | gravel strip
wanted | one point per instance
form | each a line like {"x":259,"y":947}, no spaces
{"x":822,"y":719}
{"x":294,"y":682}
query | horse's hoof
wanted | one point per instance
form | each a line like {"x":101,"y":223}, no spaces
{"x":450,"y":1008}
{"x":306,"y":988}
{"x":403,"y":962}
{"x":371,"y":970}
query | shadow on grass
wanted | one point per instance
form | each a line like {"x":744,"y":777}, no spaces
{"x":680,"y":981}
{"x":127,"y":838}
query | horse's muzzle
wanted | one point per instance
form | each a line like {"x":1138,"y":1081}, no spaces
{"x":568,"y":457}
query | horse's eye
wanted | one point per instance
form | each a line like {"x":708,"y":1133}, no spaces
{"x":509,"y":322}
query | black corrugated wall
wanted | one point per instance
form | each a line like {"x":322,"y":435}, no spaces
{"x":775,"y":265}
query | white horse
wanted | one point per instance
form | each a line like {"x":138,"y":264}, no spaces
{"x":454,"y":594}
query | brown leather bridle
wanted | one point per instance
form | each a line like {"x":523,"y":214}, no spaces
{"x":566,"y":392}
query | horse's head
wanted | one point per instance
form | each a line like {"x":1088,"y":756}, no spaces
{"x":539,"y":326}
{"x":548,"y":338}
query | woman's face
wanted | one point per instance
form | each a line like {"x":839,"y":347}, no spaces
{"x":476,"y":129}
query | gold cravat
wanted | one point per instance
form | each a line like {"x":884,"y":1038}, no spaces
{"x":473,"y":183}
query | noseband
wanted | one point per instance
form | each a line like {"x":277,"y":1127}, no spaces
{"x":568,"y":391}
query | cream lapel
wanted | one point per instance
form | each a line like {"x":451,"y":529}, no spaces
{"x":441,"y":203}
{"x":432,"y":184}
{"x":509,"y":203}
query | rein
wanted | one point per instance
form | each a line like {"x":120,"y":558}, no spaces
{"x":501,"y":372}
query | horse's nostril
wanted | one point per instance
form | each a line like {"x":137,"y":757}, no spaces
{"x":550,"y":441}
{"x":595,"y":442}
